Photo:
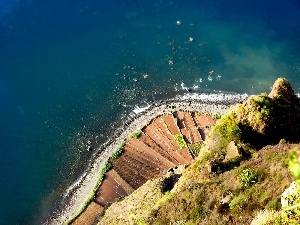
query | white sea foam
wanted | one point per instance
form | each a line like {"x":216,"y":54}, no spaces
{"x":74,"y":185}
{"x":183,"y":86}
{"x":209,"y":98}
{"x":138,"y":110}
{"x":214,"y":98}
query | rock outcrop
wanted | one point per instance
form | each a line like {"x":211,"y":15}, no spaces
{"x":282,"y":90}
{"x":265,"y":119}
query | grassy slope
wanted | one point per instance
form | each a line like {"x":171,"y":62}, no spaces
{"x":197,"y":195}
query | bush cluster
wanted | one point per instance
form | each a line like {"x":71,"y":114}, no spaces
{"x":238,"y":202}
{"x":118,"y":151}
{"x":248,"y":177}
{"x":196,"y":148}
{"x":293,"y":162}
{"x":136,"y":134}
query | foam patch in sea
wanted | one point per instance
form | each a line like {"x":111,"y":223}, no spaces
{"x":208,"y":98}
{"x":214,"y":98}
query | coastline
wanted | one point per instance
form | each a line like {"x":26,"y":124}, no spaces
{"x":79,"y":191}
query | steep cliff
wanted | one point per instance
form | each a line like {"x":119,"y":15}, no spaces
{"x":239,"y":175}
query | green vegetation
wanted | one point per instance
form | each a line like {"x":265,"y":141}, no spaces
{"x":137,"y":206}
{"x":136,"y":220}
{"x":195,"y":148}
{"x":274,"y":204}
{"x":187,"y":205}
{"x":118,"y":151}
{"x":206,"y":157}
{"x":256,"y":112}
{"x":290,"y":212}
{"x":216,"y":116}
{"x":271,"y":157}
{"x":238,"y":202}
{"x":107,"y":166}
{"x":248,"y":177}
{"x":293,"y":162}
{"x":136,"y":134}
{"x":225,"y":131}
{"x":198,"y":213}
{"x":180,"y":141}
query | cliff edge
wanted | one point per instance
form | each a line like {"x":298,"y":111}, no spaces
{"x":247,"y":171}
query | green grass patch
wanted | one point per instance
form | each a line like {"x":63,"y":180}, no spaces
{"x":238,"y":202}
{"x":107,"y":166}
{"x":196,"y":148}
{"x":293,"y":163}
{"x":198,"y":213}
{"x":180,"y":141}
{"x":228,"y":129}
{"x":118,"y":151}
{"x":206,"y":157}
{"x":271,"y":156}
{"x":274,"y":204}
{"x":216,"y":116}
{"x":248,"y":177}
{"x":225,"y":131}
{"x":136,"y":134}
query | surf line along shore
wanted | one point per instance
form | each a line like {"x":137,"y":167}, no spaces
{"x":79,"y":191}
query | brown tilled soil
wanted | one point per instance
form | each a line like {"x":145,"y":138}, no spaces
{"x":128,"y":189}
{"x":147,"y":157}
{"x":90,"y":215}
{"x":156,"y":148}
{"x":151,"y":155}
{"x":109,"y":190}
{"x":189,"y":129}
{"x":169,"y":121}
{"x":201,"y":122}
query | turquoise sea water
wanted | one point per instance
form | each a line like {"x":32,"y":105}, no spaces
{"x":68,"y":69}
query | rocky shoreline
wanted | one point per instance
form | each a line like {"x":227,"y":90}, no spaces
{"x":78,"y":192}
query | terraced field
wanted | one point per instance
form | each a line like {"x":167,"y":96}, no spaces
{"x":154,"y":151}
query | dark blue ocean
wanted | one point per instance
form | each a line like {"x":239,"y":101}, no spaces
{"x":68,"y":69}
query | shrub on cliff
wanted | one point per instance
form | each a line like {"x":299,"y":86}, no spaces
{"x":264,"y":119}
{"x":136,"y":134}
{"x":118,"y":151}
{"x":225,"y":131}
{"x":195,"y":148}
{"x":248,"y":177}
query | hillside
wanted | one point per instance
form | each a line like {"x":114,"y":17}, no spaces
{"x":238,"y":177}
